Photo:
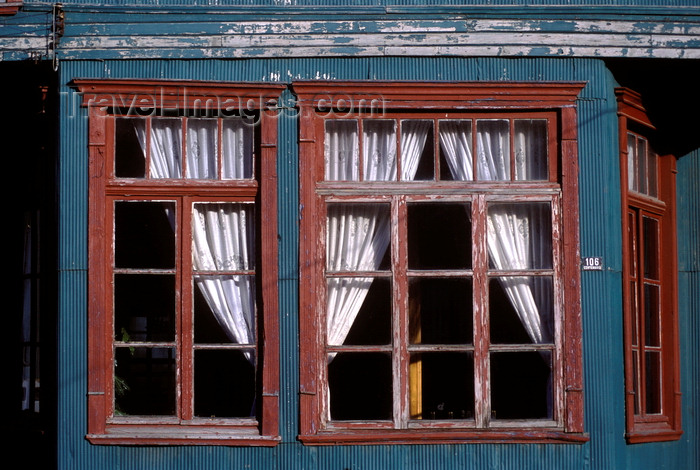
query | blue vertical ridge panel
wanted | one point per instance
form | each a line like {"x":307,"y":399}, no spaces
{"x":688,"y":207}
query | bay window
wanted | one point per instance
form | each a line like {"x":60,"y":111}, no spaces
{"x":652,"y":370}
{"x":183,"y":329}
{"x":439,"y":295}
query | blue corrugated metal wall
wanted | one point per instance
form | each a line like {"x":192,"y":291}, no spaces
{"x":601,"y":296}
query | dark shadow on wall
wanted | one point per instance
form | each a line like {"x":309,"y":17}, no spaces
{"x":671,"y":95}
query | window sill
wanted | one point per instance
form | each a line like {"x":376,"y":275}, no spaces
{"x":443,"y":437}
{"x":182,"y":435}
{"x":652,"y":432}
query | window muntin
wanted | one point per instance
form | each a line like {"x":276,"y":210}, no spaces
{"x":188,"y":262}
{"x":430,"y":167}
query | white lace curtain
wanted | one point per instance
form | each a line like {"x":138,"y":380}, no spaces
{"x":358,"y":235}
{"x":518,"y":234}
{"x":223,"y":234}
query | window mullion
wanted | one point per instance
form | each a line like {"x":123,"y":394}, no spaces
{"x":400,"y":359}
{"x":482,"y":397}
{"x":184,"y":303}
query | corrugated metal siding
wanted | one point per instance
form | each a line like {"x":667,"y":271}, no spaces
{"x":601,"y":296}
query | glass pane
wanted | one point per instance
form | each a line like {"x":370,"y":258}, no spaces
{"x":653,"y":382}
{"x":166,"y":148}
{"x":521,"y":385}
{"x":237,"y":143}
{"x":360,"y":386}
{"x":456,"y":150}
{"x":632,"y":242}
{"x":224,"y":383}
{"x":357,"y":237}
{"x":342,"y":157}
{"x":521,"y":310}
{"x":144,"y":235}
{"x":202,"y":148}
{"x":223,"y":237}
{"x":144,"y":307}
{"x":129,"y":155}
{"x":492,"y":149}
{"x":642,"y":166}
{"x":635,"y":312}
{"x":636,"y":385}
{"x":417,"y":162}
{"x":224,"y":309}
{"x":442,"y":386}
{"x":440,"y":311}
{"x":439,"y":236}
{"x":652,"y":170}
{"x":144,"y":381}
{"x":372,"y":325}
{"x":651,"y":247}
{"x":520,"y":236}
{"x":379,"y":150}
{"x":531,"y":149}
{"x":652,"y":332}
{"x":632,"y":171}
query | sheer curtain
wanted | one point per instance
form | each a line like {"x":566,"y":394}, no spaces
{"x":516,"y":232}
{"x":358,"y":234}
{"x":223,"y":234}
{"x":223,"y":240}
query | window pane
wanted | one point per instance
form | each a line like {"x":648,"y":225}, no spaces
{"x":144,"y":381}
{"x":379,"y":150}
{"x":237,"y":143}
{"x":357,"y":237}
{"x":223,"y":237}
{"x":651,"y":247}
{"x":342,"y":158}
{"x":360,"y":386}
{"x":441,"y":311}
{"x":521,"y":310}
{"x":456,"y":150}
{"x":531,"y":149}
{"x":129,"y":155}
{"x":520,"y":236}
{"x":224,"y":309}
{"x":652,"y":170}
{"x":492,"y":149}
{"x":652,"y":333}
{"x":144,"y":235}
{"x":635,"y":312}
{"x":166,"y":148}
{"x":442,"y":386}
{"x":439,"y":236}
{"x":224,"y":383}
{"x":144,"y":307}
{"x":636,"y":382}
{"x":202,"y":148}
{"x":642,"y":166}
{"x":417,"y":162}
{"x":632,"y":171}
{"x":653,"y":382}
{"x":372,"y":325}
{"x":521,"y":385}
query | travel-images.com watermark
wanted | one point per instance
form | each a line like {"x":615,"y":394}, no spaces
{"x":166,"y":104}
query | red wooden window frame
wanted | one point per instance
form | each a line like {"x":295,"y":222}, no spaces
{"x":134,"y":97}
{"x":319,"y":101}
{"x":663,"y":424}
